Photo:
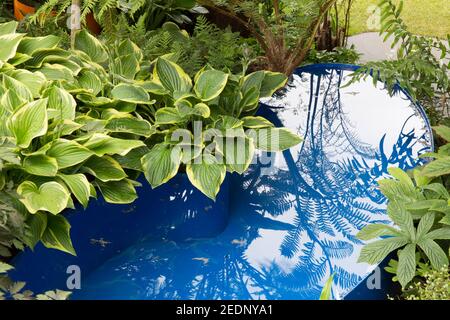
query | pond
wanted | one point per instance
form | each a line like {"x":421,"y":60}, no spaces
{"x":282,"y":229}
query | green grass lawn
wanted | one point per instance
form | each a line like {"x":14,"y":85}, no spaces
{"x":424,"y":17}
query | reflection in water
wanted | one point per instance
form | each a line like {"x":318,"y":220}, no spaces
{"x":293,"y":220}
{"x":293,"y":215}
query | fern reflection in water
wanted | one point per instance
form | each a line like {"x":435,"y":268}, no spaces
{"x":295,"y":217}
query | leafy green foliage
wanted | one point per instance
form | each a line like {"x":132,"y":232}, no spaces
{"x":420,"y":210}
{"x":50,"y":131}
{"x":222,"y":49}
{"x":200,"y":128}
{"x":436,"y":286}
{"x":284,"y":30}
{"x":114,"y":15}
{"x":417,"y":68}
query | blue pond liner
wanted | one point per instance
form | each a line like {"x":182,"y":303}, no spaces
{"x":277,"y":232}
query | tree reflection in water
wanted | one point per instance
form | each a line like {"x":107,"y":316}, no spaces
{"x":294,"y":219}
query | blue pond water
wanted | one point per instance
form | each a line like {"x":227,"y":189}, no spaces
{"x":280,"y":230}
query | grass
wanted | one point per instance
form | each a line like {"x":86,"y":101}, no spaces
{"x":424,"y":17}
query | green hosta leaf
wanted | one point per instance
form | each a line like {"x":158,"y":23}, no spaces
{"x":8,"y":27}
{"x":91,"y":82}
{"x":29,"y":122}
{"x":40,"y":165}
{"x":206,"y":174}
{"x":443,"y":131}
{"x":30,"y":45}
{"x":105,"y":169}
{"x":437,"y":168}
{"x":68,"y":153}
{"x":161,"y":163}
{"x":202,"y":110}
{"x":434,"y":252}
{"x":56,"y":72}
{"x":57,"y":235}
{"x":375,"y":252}
{"x":37,"y":224}
{"x":119,"y":192}
{"x":128,"y":47}
{"x":274,"y":139}
{"x":168,"y":115}
{"x":131,"y":93}
{"x":153,"y":87}
{"x":272,"y":82}
{"x":46,"y":55}
{"x":237,"y":151}
{"x":172,"y":77}
{"x":61,"y":104}
{"x":210,"y":84}
{"x":133,"y":158}
{"x":18,"y":87}
{"x":11,"y":102}
{"x":256,"y":122}
{"x":9,"y":42}
{"x":406,"y":269}
{"x":127,"y":66}
{"x":372,"y":231}
{"x":130,"y":125}
{"x":49,"y":196}
{"x":34,"y":81}
{"x":79,"y":186}
{"x":4,"y":267}
{"x":67,"y":127}
{"x":102,"y":144}
{"x":91,"y":46}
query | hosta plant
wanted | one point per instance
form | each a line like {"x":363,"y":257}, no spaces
{"x":55,"y":149}
{"x":420,"y":210}
{"x":93,"y":118}
{"x":206,"y":125}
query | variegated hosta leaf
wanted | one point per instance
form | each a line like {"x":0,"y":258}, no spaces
{"x":131,"y":93}
{"x":102,"y":144}
{"x":161,"y":163}
{"x":256,"y":122}
{"x":237,"y":152}
{"x":206,"y":173}
{"x":57,"y":234}
{"x":40,"y":165}
{"x":78,"y":185}
{"x":130,"y":125}
{"x":49,"y":196}
{"x":210,"y":84}
{"x":172,"y":77}
{"x":68,"y":153}
{"x":8,"y":49}
{"x":35,"y":81}
{"x":61,"y":104}
{"x":274,"y":139}
{"x":91,"y":46}
{"x":118,"y":192}
{"x":30,"y":45}
{"x":91,"y":82}
{"x":29,"y":122}
{"x":8,"y":27}
{"x":18,"y":88}
{"x":104,"y":168}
